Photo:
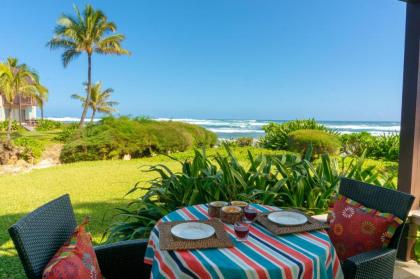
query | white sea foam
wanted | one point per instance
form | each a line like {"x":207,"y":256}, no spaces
{"x":68,"y":119}
{"x":364,"y":127}
{"x":232,"y":131}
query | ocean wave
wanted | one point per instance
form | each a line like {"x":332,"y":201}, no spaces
{"x":364,"y":127}
{"x":68,"y":119}
{"x":235,"y":131}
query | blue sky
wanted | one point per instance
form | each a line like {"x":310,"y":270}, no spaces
{"x":271,"y":59}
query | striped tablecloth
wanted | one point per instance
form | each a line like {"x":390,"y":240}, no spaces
{"x":264,"y":255}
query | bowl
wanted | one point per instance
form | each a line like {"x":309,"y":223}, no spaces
{"x":231,"y":214}
{"x":214,"y":208}
{"x":241,"y":204}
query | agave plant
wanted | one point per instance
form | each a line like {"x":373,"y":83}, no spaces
{"x":280,"y":180}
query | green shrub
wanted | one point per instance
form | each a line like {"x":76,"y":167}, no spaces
{"x":244,"y":141}
{"x":16,"y":127}
{"x":112,"y":138}
{"x":32,"y":149}
{"x":356,"y":143}
{"x":386,"y":147}
{"x":320,"y":142}
{"x":67,"y":132}
{"x":277,"y":135}
{"x":48,"y":125}
{"x":280,"y":180}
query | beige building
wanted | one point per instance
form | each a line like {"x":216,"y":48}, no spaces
{"x":23,"y":109}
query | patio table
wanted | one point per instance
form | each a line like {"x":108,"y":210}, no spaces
{"x":263,"y":255}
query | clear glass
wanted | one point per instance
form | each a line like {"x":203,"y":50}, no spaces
{"x":249,"y":214}
{"x":241,"y":231}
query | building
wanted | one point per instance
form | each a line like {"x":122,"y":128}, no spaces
{"x":23,"y":109}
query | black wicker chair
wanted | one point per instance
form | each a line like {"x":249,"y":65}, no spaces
{"x":42,"y":232}
{"x":378,"y":263}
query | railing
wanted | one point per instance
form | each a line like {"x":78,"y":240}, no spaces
{"x":24,"y":101}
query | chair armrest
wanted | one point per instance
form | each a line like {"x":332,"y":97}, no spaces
{"x":373,"y":264}
{"x":123,"y":259}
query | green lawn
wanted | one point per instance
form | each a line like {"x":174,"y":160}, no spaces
{"x":95,"y":189}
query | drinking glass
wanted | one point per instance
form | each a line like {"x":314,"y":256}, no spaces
{"x":241,"y":231}
{"x":250,"y":214}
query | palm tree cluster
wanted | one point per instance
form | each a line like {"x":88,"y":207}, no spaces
{"x":18,"y":80}
{"x":99,"y":100}
{"x":86,"y":32}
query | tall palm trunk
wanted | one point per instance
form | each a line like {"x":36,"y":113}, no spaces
{"x":20,"y":109}
{"x":9,"y":127}
{"x":86,"y":106}
{"x":92,"y":116}
{"x":42,"y":112}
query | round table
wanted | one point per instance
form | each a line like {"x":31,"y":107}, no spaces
{"x":263,"y":255}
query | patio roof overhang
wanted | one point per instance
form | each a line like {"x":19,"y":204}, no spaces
{"x":409,"y":162}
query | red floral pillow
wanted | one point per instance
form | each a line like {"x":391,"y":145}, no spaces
{"x":75,"y":259}
{"x":355,"y":229}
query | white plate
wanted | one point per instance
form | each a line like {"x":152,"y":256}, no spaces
{"x":287,"y":218}
{"x":192,"y":230}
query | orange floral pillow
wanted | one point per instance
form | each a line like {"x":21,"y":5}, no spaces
{"x":75,"y":259}
{"x":355,"y":229}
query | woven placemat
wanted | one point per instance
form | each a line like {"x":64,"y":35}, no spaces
{"x":168,"y":241}
{"x":277,"y":229}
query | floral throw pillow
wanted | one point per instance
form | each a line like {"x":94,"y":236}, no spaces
{"x":355,"y":229}
{"x":75,"y":259}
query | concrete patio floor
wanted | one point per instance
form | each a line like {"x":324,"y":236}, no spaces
{"x":407,"y":270}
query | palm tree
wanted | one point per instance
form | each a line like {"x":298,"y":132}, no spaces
{"x":86,"y":33}
{"x":16,"y":79}
{"x":41,"y":98}
{"x":40,"y":94}
{"x":99,"y":101}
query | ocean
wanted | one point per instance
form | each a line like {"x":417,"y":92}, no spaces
{"x":231,"y":129}
{"x":235,"y":128}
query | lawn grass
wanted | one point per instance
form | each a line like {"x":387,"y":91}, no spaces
{"x":95,"y":188}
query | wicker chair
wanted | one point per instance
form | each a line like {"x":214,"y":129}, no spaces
{"x":378,"y":263}
{"x":41,"y":233}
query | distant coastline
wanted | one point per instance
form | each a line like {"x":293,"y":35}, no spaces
{"x":230,"y":129}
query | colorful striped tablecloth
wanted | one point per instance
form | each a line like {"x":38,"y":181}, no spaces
{"x":264,"y":255}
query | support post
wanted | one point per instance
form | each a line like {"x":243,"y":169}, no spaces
{"x":409,"y":162}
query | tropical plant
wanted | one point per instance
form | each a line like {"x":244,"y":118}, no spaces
{"x":41,"y":98}
{"x":15,"y":126}
{"x":277,"y":134}
{"x":320,"y":141}
{"x":31,"y":149}
{"x":67,"y":133}
{"x":48,"y":125}
{"x":40,"y":94}
{"x":244,"y":141}
{"x":283,"y":180}
{"x":98,"y":100}
{"x":88,"y":32}
{"x":386,"y":146}
{"x":18,"y":80}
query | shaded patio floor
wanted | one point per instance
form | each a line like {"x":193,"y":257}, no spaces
{"x":407,"y":270}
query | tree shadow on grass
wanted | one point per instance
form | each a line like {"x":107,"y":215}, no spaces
{"x":101,"y":216}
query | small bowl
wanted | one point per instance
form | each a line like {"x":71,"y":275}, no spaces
{"x":241,"y":204}
{"x":231,"y":214}
{"x":214,"y":208}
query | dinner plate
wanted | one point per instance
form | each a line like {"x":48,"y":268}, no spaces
{"x":192,"y":231}
{"x":287,"y":218}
